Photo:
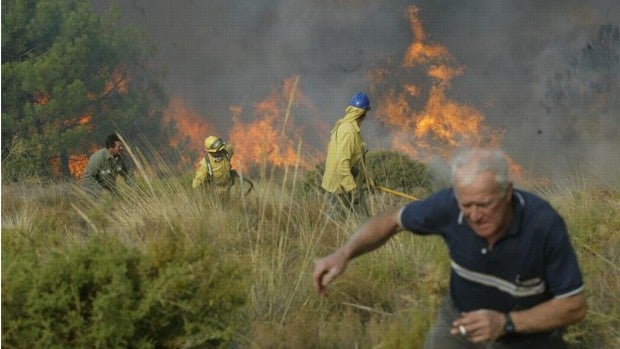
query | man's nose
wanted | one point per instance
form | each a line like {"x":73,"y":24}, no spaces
{"x":475,"y":214}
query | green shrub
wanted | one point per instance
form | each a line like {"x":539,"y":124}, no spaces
{"x":312,"y":179}
{"x":387,"y":169}
{"x":106,"y":295}
{"x":398,"y":171}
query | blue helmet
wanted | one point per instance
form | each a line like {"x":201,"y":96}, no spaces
{"x":360,"y":100}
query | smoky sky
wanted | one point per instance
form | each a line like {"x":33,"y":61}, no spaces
{"x":517,"y":58}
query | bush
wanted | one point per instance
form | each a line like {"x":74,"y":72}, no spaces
{"x":106,"y":295}
{"x":387,"y":169}
{"x":397,"y":171}
{"x":313,"y":178}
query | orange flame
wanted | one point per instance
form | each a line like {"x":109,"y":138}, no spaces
{"x":84,"y":120}
{"x":441,"y":124}
{"x":422,"y":118}
{"x":41,"y":98}
{"x":77,"y":164}
{"x":118,"y":82}
{"x":192,"y":128}
{"x":267,"y":139}
{"x":420,"y":52}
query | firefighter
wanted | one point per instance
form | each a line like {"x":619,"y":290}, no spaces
{"x":104,"y":166}
{"x":215,"y":169}
{"x":343,"y":177}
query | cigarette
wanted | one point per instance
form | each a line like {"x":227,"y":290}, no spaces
{"x":462,"y":330}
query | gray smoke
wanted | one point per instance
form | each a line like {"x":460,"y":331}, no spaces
{"x":527,"y":67}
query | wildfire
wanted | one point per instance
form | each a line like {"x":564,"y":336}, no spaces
{"x":268,"y":138}
{"x":435,"y":124}
{"x":118,"y":82}
{"x":41,"y":98}
{"x":77,"y":164}
{"x":421,"y":52}
{"x":84,"y":120}
{"x":421,"y":117}
{"x":191,"y":128}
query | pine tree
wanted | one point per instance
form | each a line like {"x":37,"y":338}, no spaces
{"x":69,"y":78}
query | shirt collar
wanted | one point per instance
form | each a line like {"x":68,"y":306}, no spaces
{"x":108,"y":155}
{"x":518,"y":207}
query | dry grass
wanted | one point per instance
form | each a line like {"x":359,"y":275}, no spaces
{"x":592,"y":213}
{"x":387,"y":299}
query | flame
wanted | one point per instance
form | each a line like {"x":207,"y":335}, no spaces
{"x":420,"y":52}
{"x":423,"y":120}
{"x":268,"y":138}
{"x":84,"y":120}
{"x":192,"y":128}
{"x":118,"y":82}
{"x":41,"y":98}
{"x":77,"y":164}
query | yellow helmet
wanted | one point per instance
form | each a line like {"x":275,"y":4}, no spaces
{"x":213,"y":144}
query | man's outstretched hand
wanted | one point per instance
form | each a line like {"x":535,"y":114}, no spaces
{"x":327,"y":269}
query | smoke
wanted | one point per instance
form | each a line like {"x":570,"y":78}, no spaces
{"x":518,"y":56}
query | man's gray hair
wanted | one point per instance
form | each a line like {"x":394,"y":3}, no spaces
{"x":468,"y":164}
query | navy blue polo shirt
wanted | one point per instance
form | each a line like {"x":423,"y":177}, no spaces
{"x":532,"y":263}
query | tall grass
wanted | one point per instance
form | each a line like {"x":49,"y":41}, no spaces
{"x":260,"y":249}
{"x":592,"y":213}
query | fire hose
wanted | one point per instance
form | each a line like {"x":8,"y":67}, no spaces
{"x":397,"y":193}
{"x":250,"y":183}
{"x":384,"y":189}
{"x":235,"y":177}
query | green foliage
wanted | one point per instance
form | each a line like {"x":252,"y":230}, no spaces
{"x":106,"y":295}
{"x":312,"y":179}
{"x":62,"y":62}
{"x":385,"y":168}
{"x":397,"y":171}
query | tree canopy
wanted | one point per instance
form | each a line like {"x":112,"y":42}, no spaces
{"x":69,"y":78}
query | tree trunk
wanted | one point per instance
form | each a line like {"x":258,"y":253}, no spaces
{"x":64,"y":163}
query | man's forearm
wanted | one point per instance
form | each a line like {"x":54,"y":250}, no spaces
{"x":372,"y":234}
{"x":550,"y":315}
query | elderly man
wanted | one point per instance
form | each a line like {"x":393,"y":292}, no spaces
{"x":515,"y":280}
{"x":104,"y":166}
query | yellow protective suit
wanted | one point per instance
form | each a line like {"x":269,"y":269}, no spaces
{"x":219,"y":176}
{"x":344,"y":151}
